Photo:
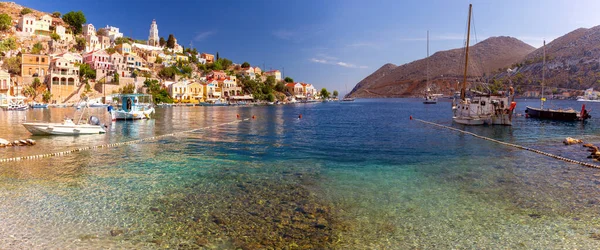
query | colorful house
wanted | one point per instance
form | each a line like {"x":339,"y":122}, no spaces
{"x":98,"y":60}
{"x":309,"y":90}
{"x":295,"y":89}
{"x":195,"y":91}
{"x":27,"y":24}
{"x":4,"y":85}
{"x":208,"y":57}
{"x":275,"y":73}
{"x":34,"y":65}
{"x":178,"y":91}
{"x":123,"y":49}
{"x":64,"y":78}
{"x":212,"y":92}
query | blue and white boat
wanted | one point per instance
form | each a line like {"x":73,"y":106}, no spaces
{"x":215,"y":103}
{"x":132,"y":107}
{"x":36,"y":105}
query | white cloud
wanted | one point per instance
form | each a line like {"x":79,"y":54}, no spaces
{"x":203,"y":35}
{"x":338,"y":63}
{"x":319,"y":60}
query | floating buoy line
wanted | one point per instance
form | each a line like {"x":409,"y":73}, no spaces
{"x":112,"y":145}
{"x":558,"y":157}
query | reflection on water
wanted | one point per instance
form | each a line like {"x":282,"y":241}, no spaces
{"x":347,"y":175}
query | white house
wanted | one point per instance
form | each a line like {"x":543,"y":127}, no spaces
{"x":113,"y":32}
{"x":27,"y":24}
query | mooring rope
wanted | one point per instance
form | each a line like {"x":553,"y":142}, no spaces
{"x":587,"y":164}
{"x":112,"y":145}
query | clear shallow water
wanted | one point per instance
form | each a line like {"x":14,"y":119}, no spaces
{"x":346,"y":175}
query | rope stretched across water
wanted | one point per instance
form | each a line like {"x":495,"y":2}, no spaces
{"x":112,"y":145}
{"x":587,"y":164}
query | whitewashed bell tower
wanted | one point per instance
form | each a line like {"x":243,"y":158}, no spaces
{"x":153,"y":38}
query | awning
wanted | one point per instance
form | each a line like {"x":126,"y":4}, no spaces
{"x":143,"y":69}
{"x":242,"y":97}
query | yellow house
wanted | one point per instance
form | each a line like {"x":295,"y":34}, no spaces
{"x":195,"y":92}
{"x":124,"y":48}
{"x":183,"y":58}
{"x":178,"y":91}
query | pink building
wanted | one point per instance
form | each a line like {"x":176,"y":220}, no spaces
{"x":98,"y":60}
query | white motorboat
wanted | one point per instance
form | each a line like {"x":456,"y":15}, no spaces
{"x":67,"y":127}
{"x":132,"y":107}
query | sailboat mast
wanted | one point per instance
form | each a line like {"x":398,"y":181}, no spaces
{"x":427,"y":60}
{"x":543,"y":74}
{"x":464,"y":86}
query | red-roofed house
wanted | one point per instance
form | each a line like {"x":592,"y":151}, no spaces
{"x":296,"y":89}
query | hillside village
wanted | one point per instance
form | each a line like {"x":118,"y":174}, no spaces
{"x":58,"y":59}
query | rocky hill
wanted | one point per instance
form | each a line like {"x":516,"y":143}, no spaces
{"x":572,"y":64}
{"x":445,"y":68}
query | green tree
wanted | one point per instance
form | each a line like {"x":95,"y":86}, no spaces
{"x":225,"y":63}
{"x":8,"y":44}
{"x":75,"y":20}
{"x":288,"y":79}
{"x":12,"y":65}
{"x":55,"y":36}
{"x":335,"y":94}
{"x":271,"y":81}
{"x":37,"y":48}
{"x":159,"y":60}
{"x":171,"y":41}
{"x":162,"y":41}
{"x":110,"y":50}
{"x":46,"y":96}
{"x":218,"y":55}
{"x":271,"y":97}
{"x":167,"y":73}
{"x":56,"y":14}
{"x":5,"y":22}
{"x":102,"y":32}
{"x":128,"y":89}
{"x":116,"y":78}
{"x":122,"y":40}
{"x":86,"y":71}
{"x":80,"y":43}
{"x":245,"y":65}
{"x":26,"y":11}
{"x":159,"y":94}
{"x":280,"y":87}
{"x":324,"y":93}
{"x":34,"y":89}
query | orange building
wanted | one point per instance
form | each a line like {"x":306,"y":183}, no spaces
{"x":209,"y":58}
{"x":34,"y":65}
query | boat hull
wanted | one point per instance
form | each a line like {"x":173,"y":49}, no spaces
{"x":429,"y":102}
{"x":61,"y":129}
{"x":559,"y":115}
{"x":131,"y":115}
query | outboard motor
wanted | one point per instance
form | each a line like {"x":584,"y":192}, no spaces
{"x":94,"y":120}
{"x":109,"y":108}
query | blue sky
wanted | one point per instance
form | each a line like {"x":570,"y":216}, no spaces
{"x":331,"y":43}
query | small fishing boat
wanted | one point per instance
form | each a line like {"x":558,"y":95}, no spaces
{"x":555,"y":114}
{"x":67,"y":127}
{"x":132,"y":107}
{"x":215,"y":103}
{"x":165,"y":105}
{"x":36,"y":105}
{"x":98,"y":105}
{"x":348,"y":99}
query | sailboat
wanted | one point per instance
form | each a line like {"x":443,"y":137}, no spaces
{"x":347,"y":98}
{"x":555,"y":114}
{"x":482,"y":109}
{"x":429,"y":98}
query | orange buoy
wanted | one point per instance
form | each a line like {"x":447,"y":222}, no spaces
{"x":300,"y":116}
{"x":410,"y":117}
{"x":253,"y":117}
{"x":238,"y":116}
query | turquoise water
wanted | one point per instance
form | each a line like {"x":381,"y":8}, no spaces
{"x":347,"y":175}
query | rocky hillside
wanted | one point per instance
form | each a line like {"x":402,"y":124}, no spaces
{"x":373,"y":78}
{"x":445,"y":68}
{"x":572,"y":64}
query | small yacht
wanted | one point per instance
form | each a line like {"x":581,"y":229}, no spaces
{"x":17,"y":103}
